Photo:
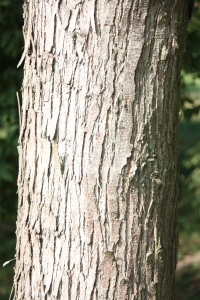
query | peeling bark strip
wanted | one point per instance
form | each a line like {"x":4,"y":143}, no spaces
{"x":97,"y":178}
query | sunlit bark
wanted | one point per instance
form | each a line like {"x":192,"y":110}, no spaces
{"x":97,"y":178}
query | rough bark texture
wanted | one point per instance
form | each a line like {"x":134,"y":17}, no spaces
{"x":98,"y":149}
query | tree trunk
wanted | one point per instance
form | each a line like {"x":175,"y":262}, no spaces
{"x":98,"y":149}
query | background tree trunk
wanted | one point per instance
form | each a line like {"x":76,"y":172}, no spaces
{"x":98,"y":149}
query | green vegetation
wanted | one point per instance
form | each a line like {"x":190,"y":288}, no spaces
{"x":11,"y":44}
{"x":11,"y":47}
{"x":188,"y":283}
{"x":188,"y":278}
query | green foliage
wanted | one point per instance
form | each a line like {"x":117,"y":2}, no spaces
{"x":187,"y":283}
{"x":191,"y":62}
{"x":191,"y":69}
{"x":193,"y":157}
{"x":11,"y":48}
{"x":191,"y":181}
{"x":188,"y":212}
{"x":11,"y":43}
{"x":189,"y":196}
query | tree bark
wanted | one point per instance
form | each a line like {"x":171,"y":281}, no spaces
{"x":97,"y":178}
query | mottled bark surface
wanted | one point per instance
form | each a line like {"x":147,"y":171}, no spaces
{"x":98,"y":149}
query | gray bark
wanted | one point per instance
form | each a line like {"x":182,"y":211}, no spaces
{"x":97,"y":178}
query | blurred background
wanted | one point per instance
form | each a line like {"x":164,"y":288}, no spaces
{"x":11,"y":48}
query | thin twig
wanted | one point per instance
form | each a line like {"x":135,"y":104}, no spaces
{"x":11,"y":291}
{"x":19,"y":109}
